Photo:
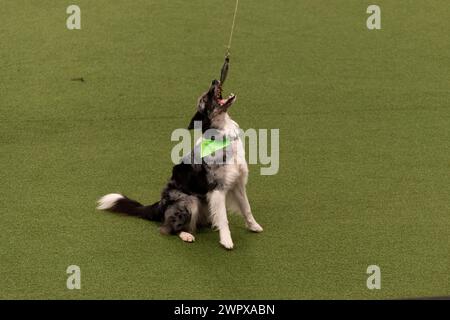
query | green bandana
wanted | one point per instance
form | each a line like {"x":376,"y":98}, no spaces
{"x":210,"y":146}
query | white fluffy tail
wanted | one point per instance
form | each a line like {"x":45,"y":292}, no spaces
{"x":109,"y":201}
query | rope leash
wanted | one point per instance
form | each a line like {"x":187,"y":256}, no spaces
{"x":225,"y":67}
{"x":232,"y":29}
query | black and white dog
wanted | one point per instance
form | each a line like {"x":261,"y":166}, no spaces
{"x":200,"y":192}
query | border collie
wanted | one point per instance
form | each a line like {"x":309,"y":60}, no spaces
{"x":201,"y":188}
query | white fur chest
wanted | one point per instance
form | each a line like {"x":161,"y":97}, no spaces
{"x":237,"y":168}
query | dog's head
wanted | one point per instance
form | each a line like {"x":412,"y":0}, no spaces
{"x":211,"y":107}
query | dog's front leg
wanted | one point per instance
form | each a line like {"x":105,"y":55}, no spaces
{"x":219,"y":219}
{"x":240,"y":194}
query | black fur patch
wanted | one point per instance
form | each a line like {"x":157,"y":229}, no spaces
{"x":198,"y":116}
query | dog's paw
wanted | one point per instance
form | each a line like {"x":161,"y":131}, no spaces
{"x":186,"y":237}
{"x":227,"y":244}
{"x":255,"y":227}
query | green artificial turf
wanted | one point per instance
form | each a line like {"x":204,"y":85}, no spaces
{"x":364,"y":125}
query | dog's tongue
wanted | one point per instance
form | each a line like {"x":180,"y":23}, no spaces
{"x":223,"y":101}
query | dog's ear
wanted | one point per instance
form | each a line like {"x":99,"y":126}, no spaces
{"x":197,"y":117}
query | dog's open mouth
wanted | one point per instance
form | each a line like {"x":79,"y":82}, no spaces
{"x":224,"y":103}
{"x":228,"y":101}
